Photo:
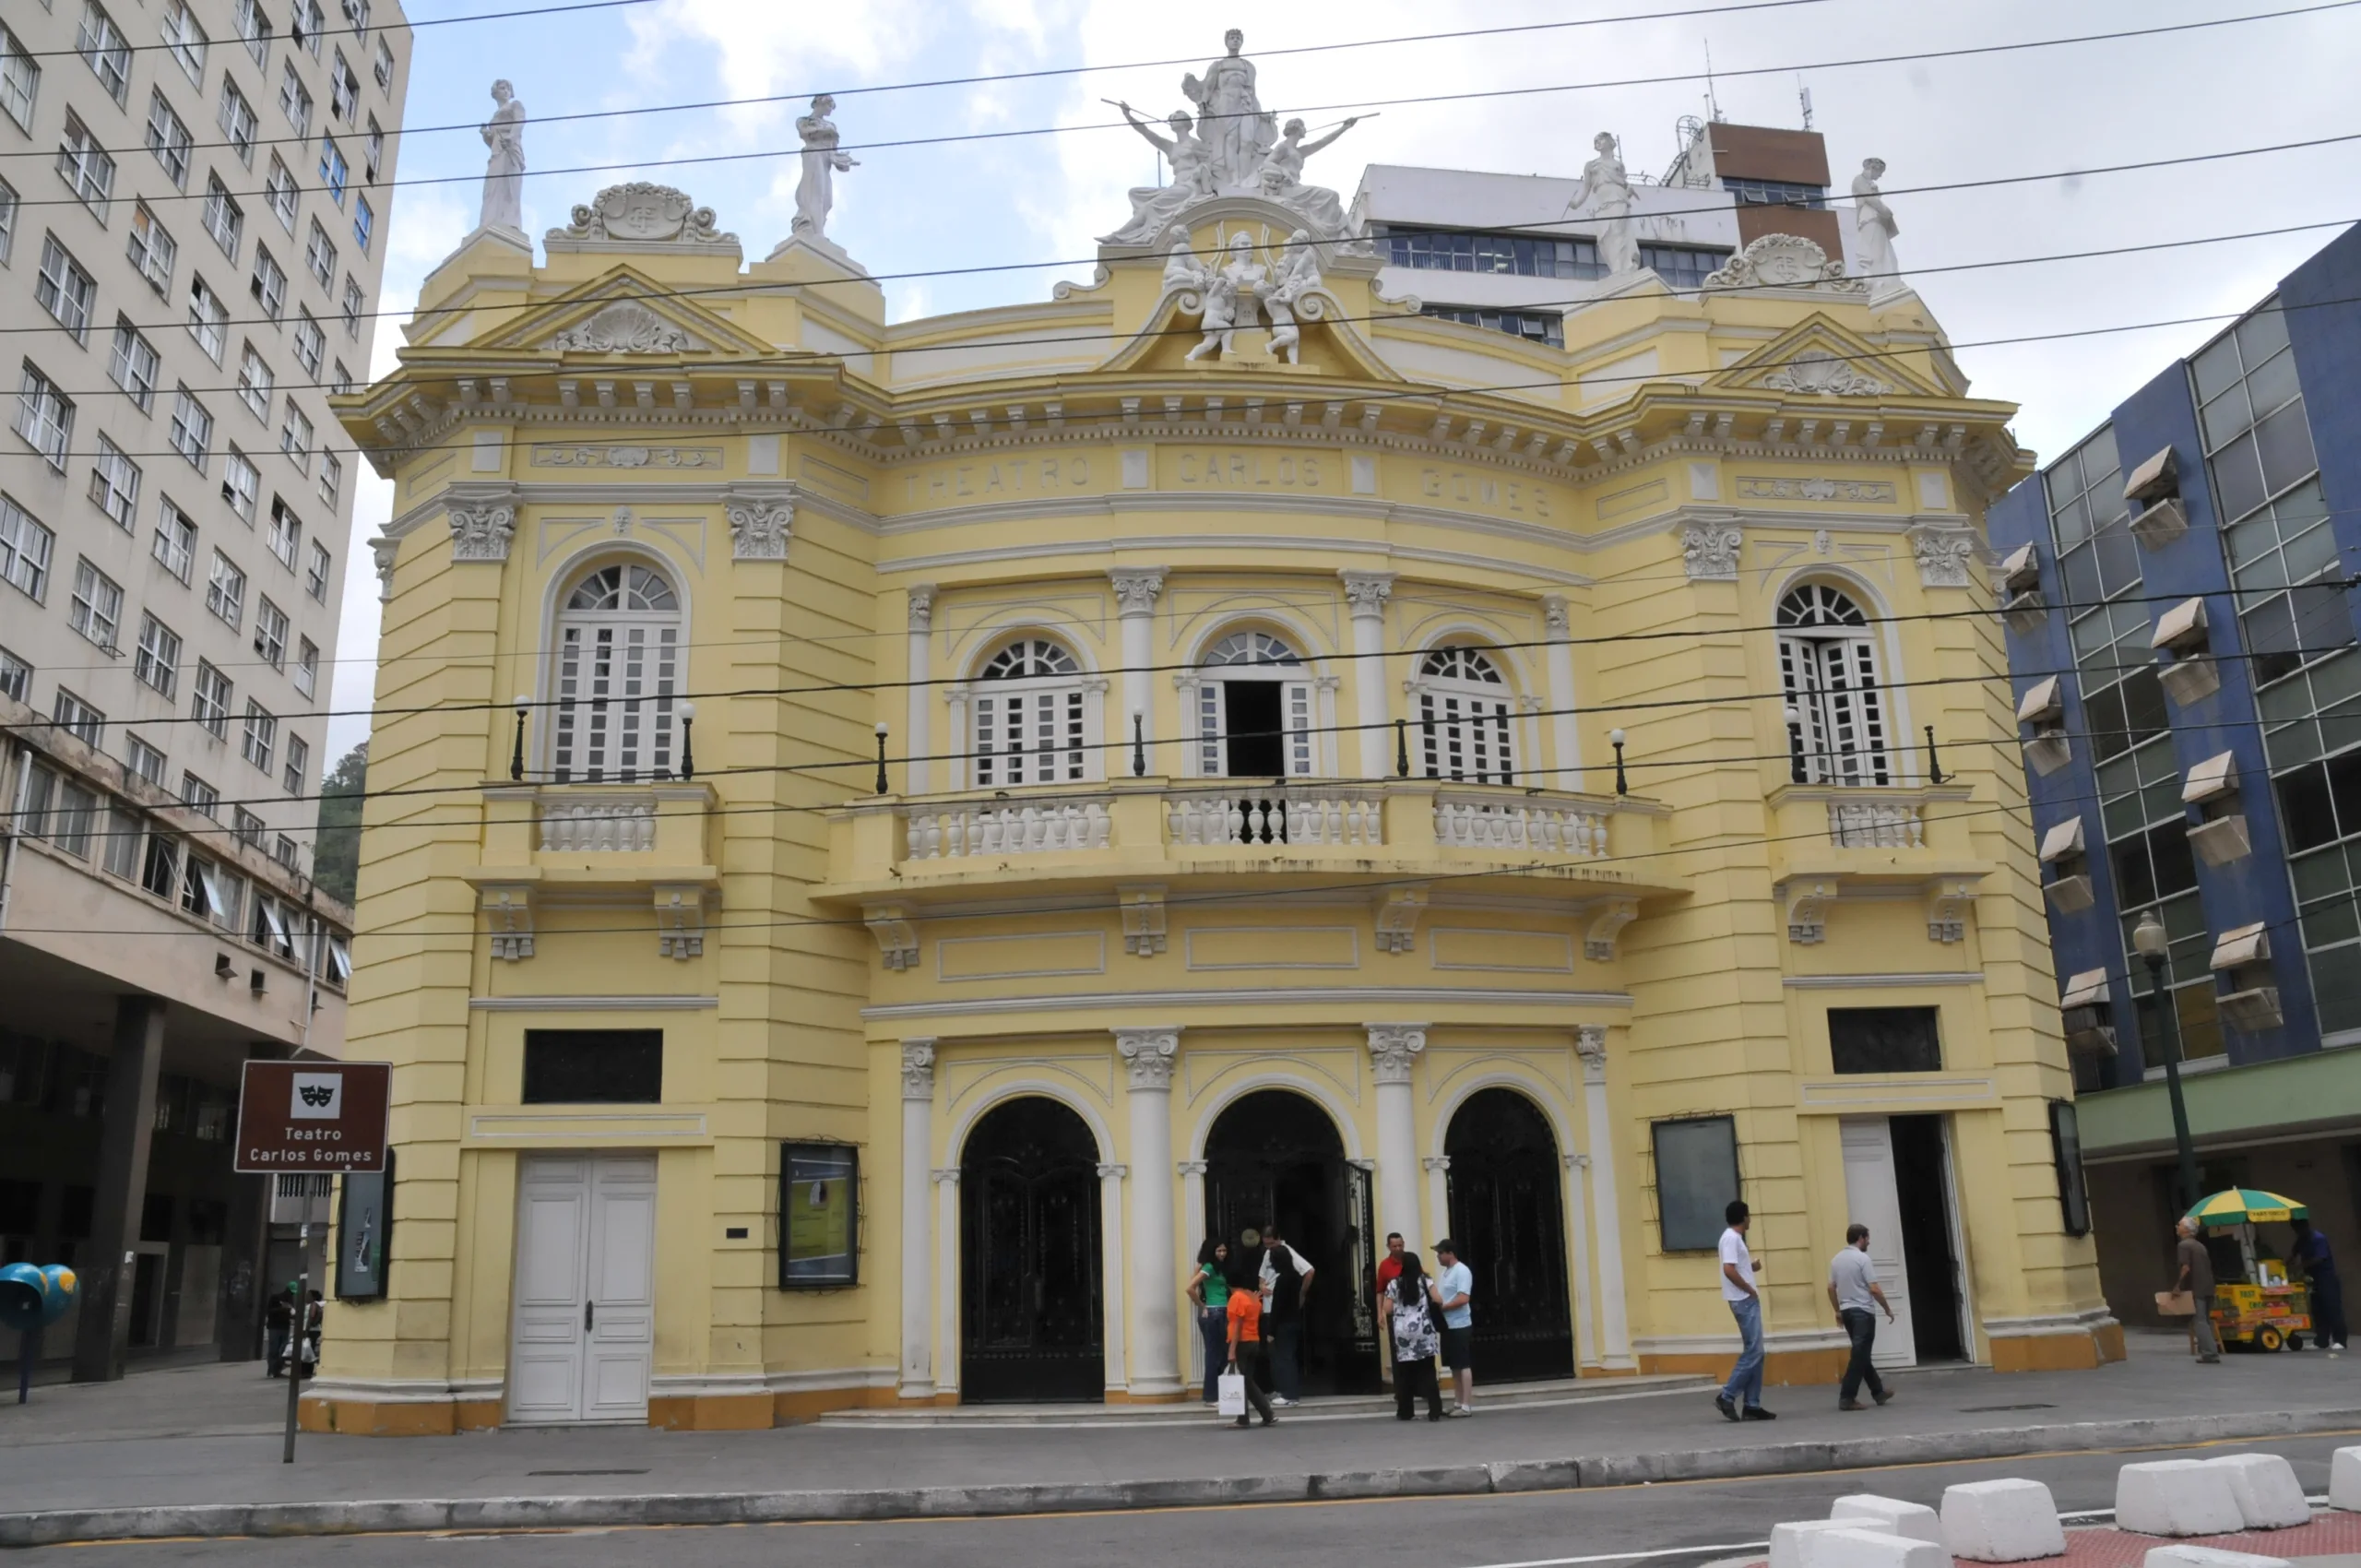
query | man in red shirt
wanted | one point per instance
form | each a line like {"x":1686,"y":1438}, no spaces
{"x":1389,"y":1269}
{"x":1246,"y":1350}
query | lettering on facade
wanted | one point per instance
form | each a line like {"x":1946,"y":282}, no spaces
{"x":997,"y":480}
{"x":1253,"y":470}
{"x":1471,"y":487}
{"x":626,"y":456}
{"x":1864,"y":490}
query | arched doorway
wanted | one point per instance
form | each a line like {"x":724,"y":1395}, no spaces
{"x":1276,"y":1155}
{"x":1030,"y":1326}
{"x":1508,"y":1213}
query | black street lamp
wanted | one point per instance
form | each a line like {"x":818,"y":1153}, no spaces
{"x":1614,"y":739}
{"x":2152,"y":942}
{"x":881,"y":786}
{"x":688,"y":712}
{"x":516,"y":759}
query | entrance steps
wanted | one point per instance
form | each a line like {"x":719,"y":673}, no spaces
{"x":1344,"y":1407}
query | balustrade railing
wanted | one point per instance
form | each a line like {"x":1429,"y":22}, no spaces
{"x":1876,"y":824}
{"x":1487,"y":823}
{"x":1007,"y":828}
{"x":1299,"y":818}
{"x":599,"y":827}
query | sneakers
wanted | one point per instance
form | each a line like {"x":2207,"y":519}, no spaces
{"x":1281,"y":1402}
{"x":1757,"y":1413}
{"x":1722,"y":1403}
{"x":1459,"y":1411}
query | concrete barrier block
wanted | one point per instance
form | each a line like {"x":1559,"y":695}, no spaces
{"x":1850,"y":1547}
{"x":2209,"y":1556}
{"x":2176,"y":1497}
{"x":2005,"y":1521}
{"x":1891,"y":1515}
{"x":1788,"y":1548}
{"x":2344,"y":1479}
{"x":2269,"y":1495}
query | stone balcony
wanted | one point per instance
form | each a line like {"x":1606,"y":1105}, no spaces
{"x":549,"y":843}
{"x":1831,"y":842}
{"x":1155,"y":828}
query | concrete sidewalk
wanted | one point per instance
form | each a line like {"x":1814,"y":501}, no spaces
{"x":195,"y":1451}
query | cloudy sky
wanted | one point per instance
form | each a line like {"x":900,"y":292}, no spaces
{"x":1049,"y":161}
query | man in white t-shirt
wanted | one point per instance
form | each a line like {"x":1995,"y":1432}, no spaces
{"x":1741,"y":1397}
{"x":1854,"y":1291}
{"x":1454,"y":1287}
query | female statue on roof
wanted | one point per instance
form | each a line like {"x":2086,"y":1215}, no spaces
{"x":1152,"y":206}
{"x":1236,"y":127}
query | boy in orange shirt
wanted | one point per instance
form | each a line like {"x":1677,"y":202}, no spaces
{"x":1246,"y":1349}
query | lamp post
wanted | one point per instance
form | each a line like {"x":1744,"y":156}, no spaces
{"x":516,"y":757}
{"x":1796,"y":773}
{"x":688,"y":712}
{"x":2152,"y":942}
{"x":883,"y":788}
{"x":1614,"y":739}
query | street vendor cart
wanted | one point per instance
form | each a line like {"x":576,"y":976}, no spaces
{"x":2259,"y":1310}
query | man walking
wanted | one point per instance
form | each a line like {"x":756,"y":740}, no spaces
{"x":2196,"y":1277}
{"x":1286,"y":1279}
{"x":2320,"y":1277}
{"x":1741,"y":1397}
{"x":1852,"y":1287}
{"x":1454,"y":1285}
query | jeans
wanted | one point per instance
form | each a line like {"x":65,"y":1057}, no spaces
{"x":1286,"y":1352}
{"x":1862,"y":1327}
{"x":1411,"y":1380}
{"x":1212,"y":1328}
{"x":2202,"y":1328}
{"x":1745,"y":1386}
{"x":2327,"y":1306}
{"x":1254,"y":1364}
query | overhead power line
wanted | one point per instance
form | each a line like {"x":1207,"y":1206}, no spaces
{"x":408,"y":23}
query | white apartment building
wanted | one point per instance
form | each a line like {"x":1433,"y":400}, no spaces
{"x":193,"y":198}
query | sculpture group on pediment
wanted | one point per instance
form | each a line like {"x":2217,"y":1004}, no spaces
{"x":1241,"y":289}
{"x":1785,"y":261}
{"x":1233,"y":147}
{"x":646,"y":213}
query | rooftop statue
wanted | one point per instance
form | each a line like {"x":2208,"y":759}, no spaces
{"x":815,"y":194}
{"x":1873,"y":230}
{"x":1231,"y":147}
{"x":1608,"y":190}
{"x":503,"y":171}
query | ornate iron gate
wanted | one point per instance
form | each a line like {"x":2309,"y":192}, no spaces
{"x":1508,"y":1213}
{"x":1029,"y":1257}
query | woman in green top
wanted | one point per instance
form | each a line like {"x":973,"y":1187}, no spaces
{"x":1209,"y":1289}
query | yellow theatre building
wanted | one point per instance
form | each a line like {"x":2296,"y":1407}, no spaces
{"x":1445,"y":712}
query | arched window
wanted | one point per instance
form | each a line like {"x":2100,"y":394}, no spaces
{"x":618,"y":669}
{"x":1828,"y":667}
{"x":1463,"y":717}
{"x":1031,"y":716}
{"x":1254,"y":710}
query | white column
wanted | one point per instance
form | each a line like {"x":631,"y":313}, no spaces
{"x":1394,"y":1049}
{"x":1366,"y":592}
{"x":1154,"y":1289}
{"x":1193,"y":1210}
{"x":954,"y":769}
{"x":1110,"y":1266}
{"x":1565,"y":748}
{"x":1590,"y":1040}
{"x":1578,"y":1248}
{"x":1438,"y":1167}
{"x":917,"y":1286}
{"x":1136,"y":588}
{"x":917,"y":731}
{"x":946,"y":1210}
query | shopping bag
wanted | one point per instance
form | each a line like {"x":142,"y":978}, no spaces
{"x":1232,"y":1388}
{"x":2176,"y":1303}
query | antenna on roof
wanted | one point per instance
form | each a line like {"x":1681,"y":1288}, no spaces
{"x":1712,"y":104}
{"x":1804,"y":94}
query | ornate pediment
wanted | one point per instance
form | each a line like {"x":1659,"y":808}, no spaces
{"x":642,"y":213}
{"x":624,"y":328}
{"x":1786,"y":261}
{"x":621,"y":312}
{"x":1817,"y":358}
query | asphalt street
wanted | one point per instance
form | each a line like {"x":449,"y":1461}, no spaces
{"x":1681,"y":1525}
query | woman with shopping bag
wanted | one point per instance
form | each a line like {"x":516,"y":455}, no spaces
{"x":1238,"y":1383}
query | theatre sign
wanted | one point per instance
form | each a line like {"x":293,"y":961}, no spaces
{"x":327,"y":1116}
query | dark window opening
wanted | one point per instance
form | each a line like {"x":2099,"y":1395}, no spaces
{"x":1696,"y":1161}
{"x":209,"y":1221}
{"x":20,"y":1208}
{"x":1251,"y":713}
{"x":1884,"y":1039}
{"x":77,"y":1208}
{"x":594,"y":1066}
{"x":156,"y":1218}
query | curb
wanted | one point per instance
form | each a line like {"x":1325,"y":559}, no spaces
{"x":219,"y":1521}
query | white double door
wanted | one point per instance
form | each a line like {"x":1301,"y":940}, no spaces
{"x":584,"y":1335}
{"x":1874,"y":1200}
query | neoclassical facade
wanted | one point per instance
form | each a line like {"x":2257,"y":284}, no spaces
{"x":885,"y":837}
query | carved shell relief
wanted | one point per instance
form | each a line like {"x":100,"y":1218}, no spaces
{"x":644,"y":212}
{"x":624,"y":328}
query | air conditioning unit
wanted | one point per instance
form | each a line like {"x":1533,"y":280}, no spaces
{"x":2068,"y":895}
{"x":2220,"y":841}
{"x":2160,"y":523}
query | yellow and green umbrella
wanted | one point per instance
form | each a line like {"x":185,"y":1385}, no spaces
{"x":2246,"y":1205}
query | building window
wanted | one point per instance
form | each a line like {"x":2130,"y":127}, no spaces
{"x":1828,"y":672}
{"x":362,"y":220}
{"x":168,"y":137}
{"x":819,"y":1220}
{"x":261,"y":735}
{"x":307,"y":24}
{"x":334,"y":170}
{"x":192,"y":431}
{"x":299,"y":764}
{"x":253,"y":27}
{"x":310,"y":341}
{"x":270,"y":634}
{"x":331,"y":476}
{"x":158,"y":664}
{"x":60,"y":809}
{"x":175,"y":546}
{"x":1031,"y":720}
{"x":198,"y":795}
{"x":152,"y":250}
{"x":20,"y":79}
{"x":24,"y":550}
{"x":307,"y":667}
{"x":295,"y":440}
{"x":7,"y":220}
{"x":78,"y":719}
{"x":617,"y":671}
{"x":2123,"y":703}
{"x":132,"y":366}
{"x":115,"y":484}
{"x":319,"y":255}
{"x":45,"y":416}
{"x":344,"y":89}
{"x":240,"y":483}
{"x":85,"y":168}
{"x":238,"y":121}
{"x":16,"y":677}
{"x":1532,"y":325}
{"x":1682,"y":267}
{"x":352,"y":303}
{"x":63,"y":289}
{"x":268,"y":285}
{"x":1521,"y":256}
{"x":1465,"y":716}
{"x":280,"y":192}
{"x":594,"y":1067}
{"x":185,"y":41}
{"x":1884,"y":1039}
{"x":146,"y":761}
{"x":384,"y":66}
{"x":255,"y":383}
{"x":286,"y":532}
{"x":209,"y":701}
{"x":295,"y":100}
{"x":207,"y":319}
{"x":223,"y":217}
{"x":1696,"y":1180}
{"x":315,"y":572}
{"x":246,"y":827}
{"x":225,"y":591}
{"x":1254,"y":717}
{"x":373,"y":150}
{"x":97,"y":608}
{"x":1776,"y":193}
{"x":102,"y":47}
